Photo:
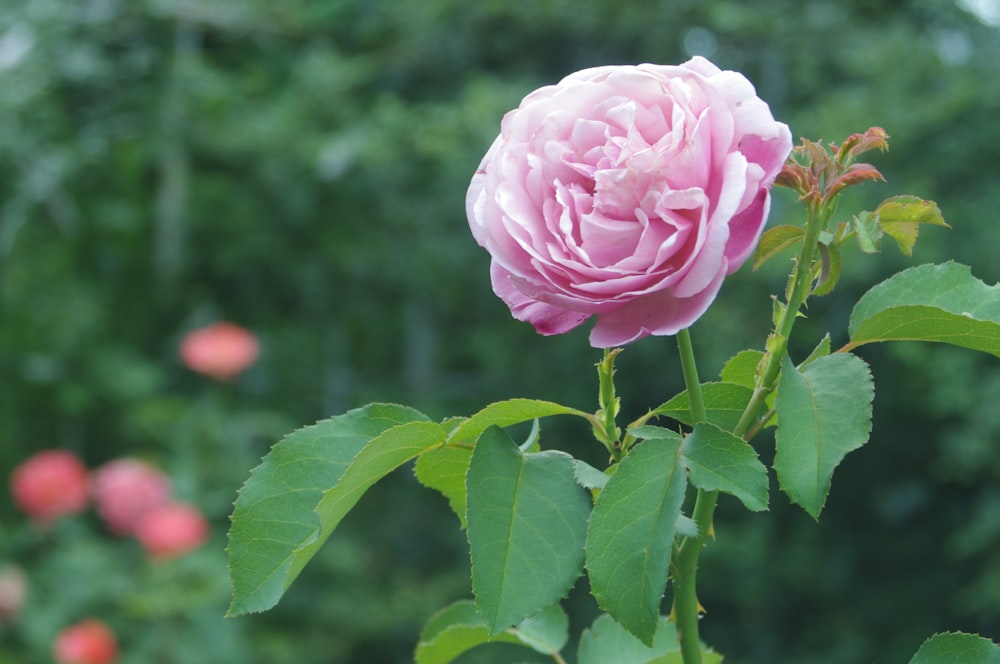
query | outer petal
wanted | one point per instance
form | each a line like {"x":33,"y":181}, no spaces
{"x":546,"y":318}
{"x":661,"y":313}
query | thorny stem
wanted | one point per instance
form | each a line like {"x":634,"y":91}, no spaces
{"x":686,"y":608}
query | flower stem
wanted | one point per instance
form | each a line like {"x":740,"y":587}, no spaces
{"x":686,"y":608}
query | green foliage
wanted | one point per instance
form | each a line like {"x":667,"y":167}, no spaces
{"x":631,"y":532}
{"x":507,"y":413}
{"x":606,"y":641}
{"x":724,"y":404}
{"x":276,"y":526}
{"x":942,"y":303}
{"x":957,"y":648}
{"x":459,"y":628}
{"x":824,"y":412}
{"x":527,"y":522}
{"x":717,"y":460}
{"x":774,"y":241}
{"x":443,"y":469}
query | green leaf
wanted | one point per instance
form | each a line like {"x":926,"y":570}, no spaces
{"x":527,"y":524}
{"x":607,"y":642}
{"x":824,"y":412}
{"x":724,"y":404}
{"x":899,"y":217}
{"x":868,"y":232}
{"x":274,"y":515}
{"x":822,"y":349}
{"x":546,"y":632}
{"x":443,"y":469}
{"x":774,"y":241}
{"x":957,"y":648}
{"x":831,"y":267}
{"x":453,"y":631}
{"x":630,"y":535}
{"x":741,"y":368}
{"x":507,"y":413}
{"x":383,"y":454}
{"x":717,"y":460}
{"x":589,"y":477}
{"x":942,"y":303}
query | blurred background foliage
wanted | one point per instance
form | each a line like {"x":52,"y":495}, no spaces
{"x":300,"y":168}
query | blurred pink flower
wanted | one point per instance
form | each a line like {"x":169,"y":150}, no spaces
{"x":50,"y":484}
{"x":171,"y":530}
{"x":626,"y":192}
{"x":13,"y":592}
{"x":126,"y":489}
{"x":221,"y":350}
{"x":87,"y":642}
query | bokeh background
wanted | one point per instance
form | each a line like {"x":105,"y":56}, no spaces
{"x":299,"y":167}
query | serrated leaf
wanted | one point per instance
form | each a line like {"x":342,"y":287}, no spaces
{"x":741,"y":368}
{"x":943,"y":303}
{"x":774,"y":241}
{"x":452,"y":631}
{"x":443,"y":470}
{"x":459,"y":628}
{"x":630,"y":535}
{"x":274,"y":516}
{"x":589,"y":477}
{"x":900,"y":216}
{"x":822,"y":349}
{"x":527,"y":525}
{"x":546,"y":632}
{"x":607,"y":642}
{"x":717,"y":460}
{"x":507,"y":413}
{"x":824,"y":412}
{"x":957,"y":648}
{"x":868,"y":232}
{"x":382,"y":455}
{"x":724,"y":404}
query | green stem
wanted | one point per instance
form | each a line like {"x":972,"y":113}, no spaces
{"x":686,"y":607}
{"x":777,"y":346}
{"x":685,"y":565}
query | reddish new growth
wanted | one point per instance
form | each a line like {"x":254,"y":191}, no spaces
{"x":819,"y":173}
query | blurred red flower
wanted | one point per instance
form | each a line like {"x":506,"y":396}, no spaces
{"x":87,"y":642}
{"x":50,"y":484}
{"x":221,"y":350}
{"x":126,"y":489}
{"x":171,"y":530}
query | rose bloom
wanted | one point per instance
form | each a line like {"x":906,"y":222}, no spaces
{"x":87,"y":642}
{"x":125,"y":489}
{"x":221,"y":350}
{"x":626,"y":192}
{"x":171,"y":530}
{"x":50,"y":484}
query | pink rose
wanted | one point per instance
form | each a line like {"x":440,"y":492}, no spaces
{"x":171,"y":530}
{"x":221,"y":350}
{"x":628,"y":192}
{"x":126,"y":489}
